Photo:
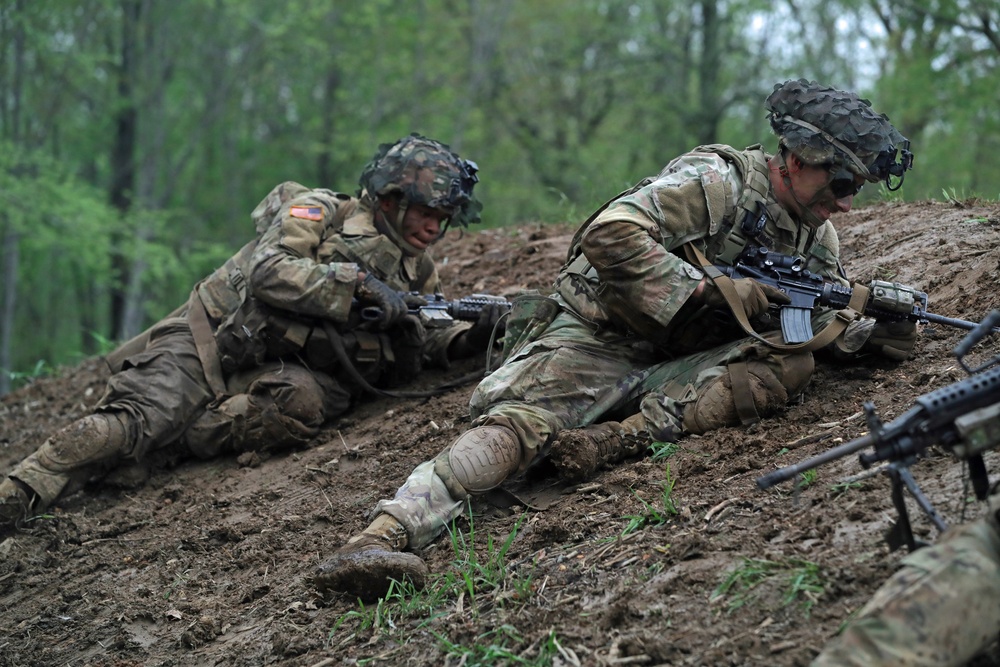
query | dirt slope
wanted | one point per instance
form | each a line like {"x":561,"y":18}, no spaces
{"x":207,"y":563}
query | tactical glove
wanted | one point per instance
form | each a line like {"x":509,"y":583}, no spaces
{"x":893,"y":339}
{"x":478,"y":337}
{"x":408,"y":340}
{"x":373,"y":292}
{"x":754,"y":295}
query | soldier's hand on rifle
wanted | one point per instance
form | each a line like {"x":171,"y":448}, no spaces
{"x":893,"y":339}
{"x":755,"y":296}
{"x":371,"y":291}
{"x":475,"y":339}
{"x":414,"y":301}
{"x":478,"y":337}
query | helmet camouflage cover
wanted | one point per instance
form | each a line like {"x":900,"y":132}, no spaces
{"x":823,"y":125}
{"x":425,"y":172}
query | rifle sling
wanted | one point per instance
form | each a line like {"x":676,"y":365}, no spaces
{"x":205,"y":344}
{"x":337,"y":343}
{"x":739,"y":376}
{"x":829,"y":333}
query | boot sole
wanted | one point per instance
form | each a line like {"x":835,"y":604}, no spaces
{"x":369,"y":574}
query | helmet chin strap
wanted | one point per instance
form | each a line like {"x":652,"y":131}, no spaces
{"x":394,"y":229}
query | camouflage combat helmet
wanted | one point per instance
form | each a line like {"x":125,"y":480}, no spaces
{"x":823,"y":125}
{"x":425,"y":172}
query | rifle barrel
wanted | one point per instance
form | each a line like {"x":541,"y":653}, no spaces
{"x":951,"y":321}
{"x":789,"y":472}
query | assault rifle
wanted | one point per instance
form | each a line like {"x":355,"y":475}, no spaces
{"x":887,"y":301}
{"x":437,"y":312}
{"x":963,"y":417}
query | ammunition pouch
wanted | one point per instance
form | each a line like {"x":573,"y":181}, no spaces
{"x":530,"y":315}
{"x":256,"y":332}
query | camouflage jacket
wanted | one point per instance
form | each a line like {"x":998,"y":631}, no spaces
{"x":267,"y":300}
{"x":626,"y":268}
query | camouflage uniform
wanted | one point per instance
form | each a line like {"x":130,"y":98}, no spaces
{"x":246,"y":363}
{"x":624,"y":332}
{"x":548,"y":384}
{"x":940,"y":609}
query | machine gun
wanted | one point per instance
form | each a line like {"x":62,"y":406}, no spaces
{"x":963,"y":417}
{"x":435,"y":311}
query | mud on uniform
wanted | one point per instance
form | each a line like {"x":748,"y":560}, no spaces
{"x":623,"y":307}
{"x":258,"y":372}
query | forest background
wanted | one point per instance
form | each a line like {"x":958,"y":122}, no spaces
{"x":137,"y":135}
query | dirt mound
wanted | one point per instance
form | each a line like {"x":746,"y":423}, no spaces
{"x":651,"y":562}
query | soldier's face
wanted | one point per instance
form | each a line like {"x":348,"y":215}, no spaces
{"x":422,"y":225}
{"x":811,"y":187}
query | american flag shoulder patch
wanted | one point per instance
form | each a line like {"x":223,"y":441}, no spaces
{"x":307,"y":212}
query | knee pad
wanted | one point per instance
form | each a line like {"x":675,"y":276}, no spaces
{"x":482,"y":458}
{"x":794,"y":371}
{"x":72,"y":455}
{"x":294,"y":391}
{"x":744,"y":394}
{"x":86,"y":441}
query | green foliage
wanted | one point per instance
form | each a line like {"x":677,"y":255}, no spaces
{"x":661,"y":451}
{"x":502,"y":645}
{"x":843,"y":487}
{"x":652,"y":516}
{"x":808,"y":477}
{"x":475,"y":581}
{"x":800,"y":582}
{"x":488,"y":576}
{"x":563,"y":104}
{"x":40,"y":369}
{"x":402,"y":610}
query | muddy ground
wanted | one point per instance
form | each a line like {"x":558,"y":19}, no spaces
{"x":208,"y":563}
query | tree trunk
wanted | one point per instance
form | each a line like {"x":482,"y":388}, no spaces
{"x":11,"y":256}
{"x":123,"y":160}
{"x":8,"y":269}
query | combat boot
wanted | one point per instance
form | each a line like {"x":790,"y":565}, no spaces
{"x":70,"y":457}
{"x":579,"y":453}
{"x":367,"y":565}
{"x":15,"y":504}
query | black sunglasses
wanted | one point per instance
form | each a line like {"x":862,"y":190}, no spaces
{"x":843,"y":184}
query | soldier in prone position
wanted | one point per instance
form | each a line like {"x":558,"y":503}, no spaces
{"x":246,"y":364}
{"x":638,"y":313}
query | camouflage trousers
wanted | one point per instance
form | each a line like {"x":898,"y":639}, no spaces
{"x":555,"y":382}
{"x":165,"y":404}
{"x":941,"y":608}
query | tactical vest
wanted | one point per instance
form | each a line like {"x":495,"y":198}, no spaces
{"x":578,"y":285}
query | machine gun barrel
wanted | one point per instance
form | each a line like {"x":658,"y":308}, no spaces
{"x":789,"y":472}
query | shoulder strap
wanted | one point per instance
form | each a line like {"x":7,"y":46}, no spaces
{"x":826,"y":335}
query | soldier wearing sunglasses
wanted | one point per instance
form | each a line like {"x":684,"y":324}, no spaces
{"x":641,"y":337}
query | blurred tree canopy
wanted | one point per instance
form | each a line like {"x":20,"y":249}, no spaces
{"x":136,"y":136}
